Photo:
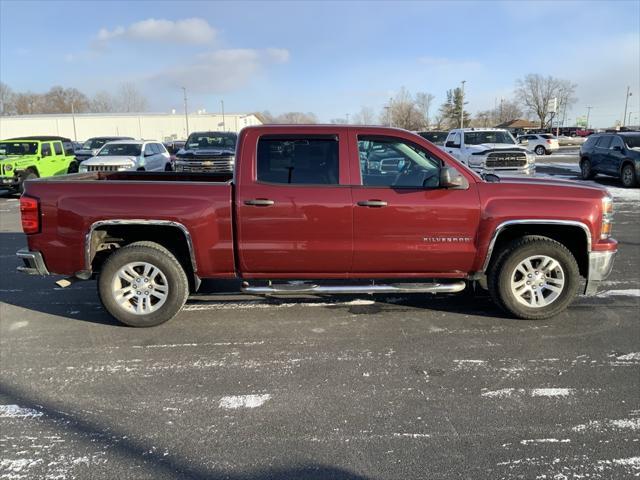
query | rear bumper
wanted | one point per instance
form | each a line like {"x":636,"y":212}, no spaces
{"x":600,"y":266}
{"x":33,"y":262}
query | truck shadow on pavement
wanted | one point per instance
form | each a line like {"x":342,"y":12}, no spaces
{"x":122,"y":444}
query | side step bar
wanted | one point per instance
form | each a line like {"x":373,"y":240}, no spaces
{"x":292,"y":289}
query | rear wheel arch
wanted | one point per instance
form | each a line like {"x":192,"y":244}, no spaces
{"x":105,"y":237}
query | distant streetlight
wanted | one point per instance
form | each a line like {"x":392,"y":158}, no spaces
{"x":626,"y":103}
{"x":222,"y":108}
{"x":186,"y":116}
{"x":588,"y":113}
{"x":462,"y":106}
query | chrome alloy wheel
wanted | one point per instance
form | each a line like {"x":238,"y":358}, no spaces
{"x":140,"y":288}
{"x":537,"y":281}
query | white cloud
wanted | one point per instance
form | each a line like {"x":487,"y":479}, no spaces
{"x":222,"y":70}
{"x":188,"y":31}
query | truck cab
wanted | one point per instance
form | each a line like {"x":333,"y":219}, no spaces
{"x":489,"y":150}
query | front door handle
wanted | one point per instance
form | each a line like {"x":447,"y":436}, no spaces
{"x":259,"y":202}
{"x":373,"y":203}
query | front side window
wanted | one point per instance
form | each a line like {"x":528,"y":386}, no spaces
{"x":120,"y":149}
{"x":492,"y":136}
{"x":308,"y":160}
{"x":45,"y":150}
{"x":392,"y":162}
{"x":57,"y":147}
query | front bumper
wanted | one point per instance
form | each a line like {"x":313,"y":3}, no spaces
{"x":528,"y":171}
{"x":10,"y":182}
{"x":600,"y":266}
{"x":33,"y":262}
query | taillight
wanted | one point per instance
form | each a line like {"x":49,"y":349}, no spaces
{"x":607,"y":217}
{"x":30,"y":214}
{"x":549,"y":141}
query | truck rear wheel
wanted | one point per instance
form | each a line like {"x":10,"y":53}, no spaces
{"x":535,"y":279}
{"x":143,"y":285}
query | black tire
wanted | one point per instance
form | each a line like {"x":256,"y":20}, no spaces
{"x":168,"y":167}
{"x":628,"y":176}
{"x":73,"y":167}
{"x":540,"y":150}
{"x":501,"y":272}
{"x":586,"y":172}
{"x":159,"y":257}
{"x":24,"y":176}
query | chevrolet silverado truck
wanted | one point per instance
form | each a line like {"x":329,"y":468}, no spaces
{"x":207,"y":152}
{"x":490,"y":150}
{"x":26,"y":158}
{"x":302,"y":214}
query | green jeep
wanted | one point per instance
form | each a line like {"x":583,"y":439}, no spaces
{"x":26,"y":158}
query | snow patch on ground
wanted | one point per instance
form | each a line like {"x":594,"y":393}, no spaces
{"x":535,"y":392}
{"x":17,"y":466}
{"x":232,"y":402}
{"x":629,"y":356}
{"x":15,"y":411}
{"x":545,"y":440}
{"x":551,"y":392}
{"x":622,"y":424}
{"x":630,"y":292}
{"x":412,"y":435}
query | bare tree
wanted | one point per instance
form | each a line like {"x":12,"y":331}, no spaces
{"x":536,"y":93}
{"x":403,"y":111}
{"x":365,"y":116}
{"x":503,"y":112}
{"x":103,"y":102}
{"x":338,"y":121}
{"x":64,"y":100}
{"x":438,"y":121}
{"x":130,"y":99}
{"x":296,"y":118}
{"x":7,"y":100}
{"x":28,"y":103}
{"x":423,"y":102}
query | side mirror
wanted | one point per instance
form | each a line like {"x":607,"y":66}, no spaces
{"x":452,"y":178}
{"x":618,"y":148}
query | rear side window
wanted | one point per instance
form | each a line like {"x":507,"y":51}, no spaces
{"x":45,"y":150}
{"x":68,"y":148}
{"x":148,"y":149}
{"x":160,"y":148}
{"x":590,"y":142}
{"x":57,"y":147}
{"x":604,"y":141}
{"x":304,"y":160}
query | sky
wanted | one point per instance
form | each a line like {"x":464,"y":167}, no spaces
{"x":330,"y":58}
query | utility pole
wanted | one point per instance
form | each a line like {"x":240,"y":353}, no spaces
{"x":588,"y":112}
{"x":73,"y":116}
{"x":186,"y":115}
{"x":629,"y":122}
{"x":224,"y":127}
{"x":462,"y":106}
{"x":626,"y":103}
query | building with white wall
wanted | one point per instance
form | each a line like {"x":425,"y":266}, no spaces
{"x":156,"y":126}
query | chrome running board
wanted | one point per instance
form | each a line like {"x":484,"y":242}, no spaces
{"x":296,"y":288}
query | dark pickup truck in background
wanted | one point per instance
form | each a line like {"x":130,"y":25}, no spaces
{"x":303,"y":214}
{"x":207,"y":152}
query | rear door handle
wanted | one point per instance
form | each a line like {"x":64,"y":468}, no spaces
{"x":373,"y":203}
{"x":259,"y":202}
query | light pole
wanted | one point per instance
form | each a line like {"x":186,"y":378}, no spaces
{"x":186,"y":115}
{"x":73,"y":117}
{"x":588,"y":113}
{"x":629,"y":122}
{"x":462,"y":105}
{"x":626,"y":103}
{"x":224,"y":127}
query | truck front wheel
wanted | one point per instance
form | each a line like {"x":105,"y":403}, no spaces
{"x":143,"y":285}
{"x":535,"y":278}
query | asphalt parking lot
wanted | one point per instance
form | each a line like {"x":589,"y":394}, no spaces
{"x":382,"y":387}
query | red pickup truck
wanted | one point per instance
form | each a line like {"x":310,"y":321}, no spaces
{"x":320,"y":209}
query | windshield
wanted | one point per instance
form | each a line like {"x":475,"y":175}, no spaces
{"x":18,"y":148}
{"x":632,"y":141}
{"x":211,"y":140}
{"x":497,"y":136}
{"x":93,"y":143}
{"x":121,"y":149}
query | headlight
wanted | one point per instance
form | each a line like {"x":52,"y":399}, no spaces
{"x":607,"y":217}
{"x":82,"y":169}
{"x":8,"y":168}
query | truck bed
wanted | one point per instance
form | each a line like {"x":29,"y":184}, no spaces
{"x":71,"y":205}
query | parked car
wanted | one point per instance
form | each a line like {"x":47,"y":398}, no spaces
{"x":90,"y":147}
{"x":173,"y":148}
{"x":207,"y":152}
{"x":613,"y":154}
{"x":301,"y":215}
{"x":490,"y":150}
{"x":540,"y":143}
{"x":437,"y":138}
{"x":26,"y":158}
{"x":141,"y":155}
